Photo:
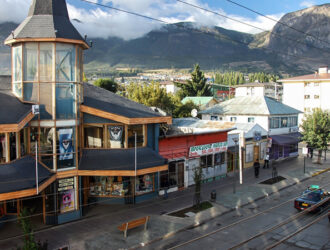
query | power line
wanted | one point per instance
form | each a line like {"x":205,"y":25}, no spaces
{"x":277,"y":21}
{"x":233,"y":19}
{"x":182,"y":26}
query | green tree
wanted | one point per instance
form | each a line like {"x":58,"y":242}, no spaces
{"x":183,"y":110}
{"x":30,"y":243}
{"x":197,"y":86}
{"x":106,"y":83}
{"x":316,"y":130}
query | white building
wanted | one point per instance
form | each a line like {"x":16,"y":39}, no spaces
{"x":278,"y":119}
{"x":308,"y":91}
{"x":169,"y":86}
{"x":270,"y":89}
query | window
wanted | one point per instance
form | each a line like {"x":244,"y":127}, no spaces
{"x":308,"y":84}
{"x":93,"y":136}
{"x":24,"y":137}
{"x":46,"y":103}
{"x":46,"y":62}
{"x":12,"y":146}
{"x":17,"y":70}
{"x":144,"y":184}
{"x":214,"y":118}
{"x":138,"y":129}
{"x":172,"y":176}
{"x":292,"y":121}
{"x":111,"y":186}
{"x":3,"y":148}
{"x":65,"y":100}
{"x":219,"y":159}
{"x":116,"y":136}
{"x":30,"y":92}
{"x":65,"y":62}
{"x":30,"y":62}
{"x":209,"y":161}
{"x":233,"y":119}
{"x":284,"y":122}
{"x":249,"y":153}
{"x":316,"y":97}
{"x":274,"y":122}
{"x":65,"y":147}
{"x":250,"y":119}
{"x":307,"y":96}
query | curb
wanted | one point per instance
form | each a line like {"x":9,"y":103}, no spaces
{"x":229,"y":210}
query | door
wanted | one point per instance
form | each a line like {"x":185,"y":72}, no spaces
{"x":180,"y":170}
{"x":256,"y":153}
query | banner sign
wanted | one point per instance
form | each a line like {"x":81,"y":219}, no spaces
{"x":66,"y":147}
{"x":66,"y":193}
{"x":116,"y":133}
{"x":208,"y":149}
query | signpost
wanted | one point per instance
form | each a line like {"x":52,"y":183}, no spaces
{"x":305,"y":152}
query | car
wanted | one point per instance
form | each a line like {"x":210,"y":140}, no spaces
{"x":312,"y":196}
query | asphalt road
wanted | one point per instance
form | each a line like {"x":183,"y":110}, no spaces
{"x":262,"y":218}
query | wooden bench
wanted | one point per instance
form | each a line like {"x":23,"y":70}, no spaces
{"x":134,"y":223}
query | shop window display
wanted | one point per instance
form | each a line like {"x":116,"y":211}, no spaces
{"x":109,"y":186}
{"x":144,"y":184}
{"x":3,"y":148}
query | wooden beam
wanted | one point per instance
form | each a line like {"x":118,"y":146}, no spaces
{"x":66,"y":174}
{"x":17,"y":194}
{"x":47,"y":183}
{"x":121,"y":172}
{"x":61,"y":40}
{"x":123,"y":119}
{"x":17,"y":126}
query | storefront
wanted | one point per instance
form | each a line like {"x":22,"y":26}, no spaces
{"x":187,"y":149}
{"x":284,"y":146}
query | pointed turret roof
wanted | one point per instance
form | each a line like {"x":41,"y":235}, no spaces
{"x":46,"y":19}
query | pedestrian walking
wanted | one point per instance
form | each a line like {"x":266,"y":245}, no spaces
{"x":256,"y":166}
{"x":266,"y":160}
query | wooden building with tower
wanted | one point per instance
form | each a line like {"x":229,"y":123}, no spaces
{"x":65,"y":143}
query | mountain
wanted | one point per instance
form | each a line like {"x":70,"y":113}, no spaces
{"x":183,"y":44}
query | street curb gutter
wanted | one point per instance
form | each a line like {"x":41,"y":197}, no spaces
{"x":191,"y":226}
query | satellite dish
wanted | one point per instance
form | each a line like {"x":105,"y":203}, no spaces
{"x":194,"y":113}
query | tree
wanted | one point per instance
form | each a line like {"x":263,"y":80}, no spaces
{"x":106,"y":83}
{"x":197,"y":86}
{"x":198,"y":175}
{"x":316,"y":130}
{"x":26,"y":225}
{"x":153,"y":95}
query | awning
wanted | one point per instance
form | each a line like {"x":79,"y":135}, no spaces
{"x":120,"y":162}
{"x":18,"y":178}
{"x":286,"y":139}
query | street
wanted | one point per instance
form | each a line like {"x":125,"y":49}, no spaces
{"x":314,"y":237}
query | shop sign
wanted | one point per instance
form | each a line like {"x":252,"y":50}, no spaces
{"x":208,"y":149}
{"x":66,"y":194}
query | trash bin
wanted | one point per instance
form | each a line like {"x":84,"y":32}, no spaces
{"x":213,"y":195}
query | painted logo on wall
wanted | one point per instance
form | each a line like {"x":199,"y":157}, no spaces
{"x":208,"y":149}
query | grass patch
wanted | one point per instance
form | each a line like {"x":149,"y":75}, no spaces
{"x":203,"y":206}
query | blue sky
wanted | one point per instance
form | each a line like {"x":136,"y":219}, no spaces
{"x":101,"y":22}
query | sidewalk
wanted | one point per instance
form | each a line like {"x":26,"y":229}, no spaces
{"x":98,"y":230}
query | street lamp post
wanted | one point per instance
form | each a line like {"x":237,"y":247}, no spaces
{"x":235,"y":139}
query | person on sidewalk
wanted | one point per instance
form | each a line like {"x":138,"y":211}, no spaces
{"x":256,"y":166}
{"x":266,"y":159}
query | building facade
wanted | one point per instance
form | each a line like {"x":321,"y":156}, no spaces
{"x":65,"y":143}
{"x":279,"y":120}
{"x":308,"y":91}
{"x":269,"y":89}
{"x":190,"y":144}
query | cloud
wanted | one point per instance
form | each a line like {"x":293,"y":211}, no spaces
{"x":104,"y":22}
{"x":307,"y":4}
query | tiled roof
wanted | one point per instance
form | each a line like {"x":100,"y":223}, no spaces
{"x":46,"y":19}
{"x":12,"y":111}
{"x":198,"y":100}
{"x":251,"y":105}
{"x":312,"y":77}
{"x":21,"y":175}
{"x":107,"y":101}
